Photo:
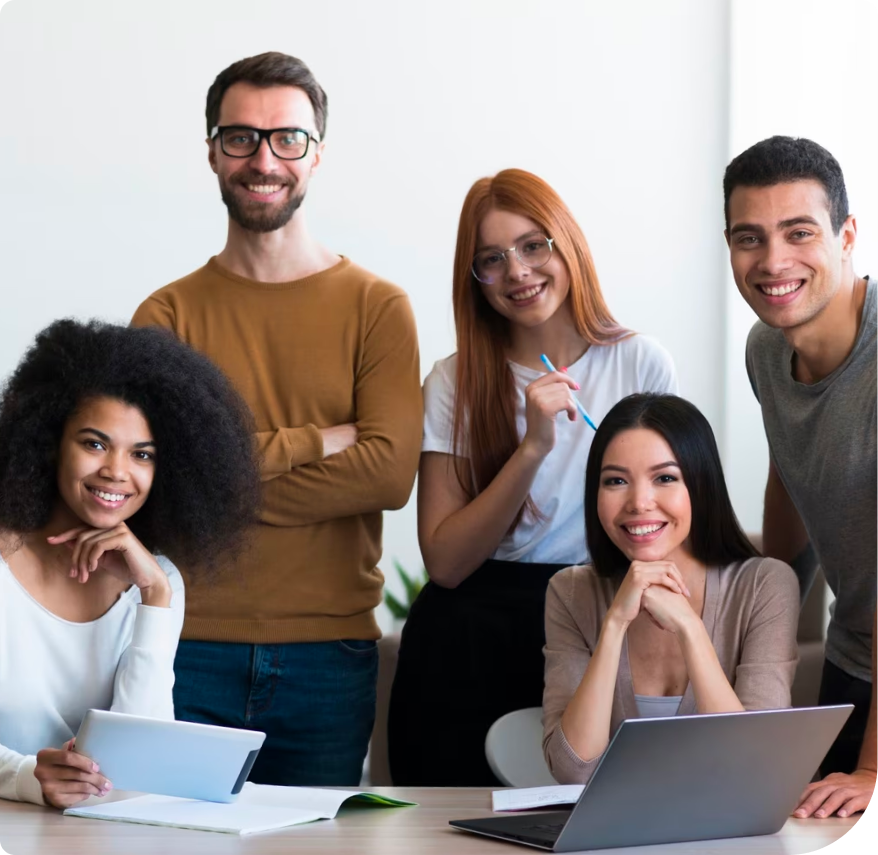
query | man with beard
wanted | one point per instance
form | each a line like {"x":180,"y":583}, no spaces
{"x":326,"y":355}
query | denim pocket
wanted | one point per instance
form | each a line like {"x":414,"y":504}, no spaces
{"x":357,"y":647}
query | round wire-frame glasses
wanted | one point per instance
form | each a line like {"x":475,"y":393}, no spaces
{"x":490,"y":265}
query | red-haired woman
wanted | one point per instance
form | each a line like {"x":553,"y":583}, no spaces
{"x":502,"y":478}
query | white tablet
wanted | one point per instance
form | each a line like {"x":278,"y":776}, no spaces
{"x":170,"y":758}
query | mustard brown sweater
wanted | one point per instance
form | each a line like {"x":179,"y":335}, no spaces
{"x":334,"y":348}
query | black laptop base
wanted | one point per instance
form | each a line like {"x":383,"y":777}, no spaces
{"x":536,"y":829}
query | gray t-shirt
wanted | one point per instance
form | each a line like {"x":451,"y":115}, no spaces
{"x":822,"y":440}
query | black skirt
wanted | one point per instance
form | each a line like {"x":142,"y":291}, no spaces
{"x":468,"y":656}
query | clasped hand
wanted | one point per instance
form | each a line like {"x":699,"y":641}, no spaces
{"x":118,"y":552}
{"x":657,"y":588}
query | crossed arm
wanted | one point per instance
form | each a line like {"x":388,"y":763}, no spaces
{"x":312,"y":474}
{"x":284,"y":449}
{"x":376,"y":471}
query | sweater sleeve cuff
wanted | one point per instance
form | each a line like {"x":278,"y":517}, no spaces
{"x":306,"y":445}
{"x":27,"y":786}
{"x":571,"y":755}
{"x":566,"y":765}
{"x":286,"y":448}
{"x":154,"y":628}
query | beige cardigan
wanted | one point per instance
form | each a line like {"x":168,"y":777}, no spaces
{"x":751,"y":612}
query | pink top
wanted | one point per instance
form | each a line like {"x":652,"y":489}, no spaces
{"x":751,"y":613}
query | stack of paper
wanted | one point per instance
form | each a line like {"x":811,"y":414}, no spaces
{"x":528,"y":798}
{"x":258,"y":808}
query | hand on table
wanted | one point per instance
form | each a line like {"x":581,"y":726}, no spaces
{"x":118,"y":552}
{"x":837,"y":793}
{"x":68,"y":778}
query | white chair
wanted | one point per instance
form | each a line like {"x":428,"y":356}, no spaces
{"x":514,"y":748}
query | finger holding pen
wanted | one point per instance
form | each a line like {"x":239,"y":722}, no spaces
{"x":576,"y":402}
{"x":544,"y":399}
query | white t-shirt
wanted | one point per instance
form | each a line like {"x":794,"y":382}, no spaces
{"x":606,"y":374}
{"x":53,"y":670}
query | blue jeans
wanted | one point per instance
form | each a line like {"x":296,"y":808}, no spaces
{"x":315,"y":701}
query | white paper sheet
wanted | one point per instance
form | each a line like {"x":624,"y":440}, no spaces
{"x":258,"y":808}
{"x":528,"y":798}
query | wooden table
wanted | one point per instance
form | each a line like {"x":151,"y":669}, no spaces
{"x":424,"y":830}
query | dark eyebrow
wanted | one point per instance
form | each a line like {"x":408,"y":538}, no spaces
{"x":798,"y":221}
{"x":746,"y":227}
{"x":101,"y":435}
{"x":254,"y":128}
{"x":520,"y":237}
{"x":783,"y":224}
{"x":665,"y":465}
{"x":615,"y":468}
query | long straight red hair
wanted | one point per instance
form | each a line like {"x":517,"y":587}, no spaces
{"x":484,"y":431}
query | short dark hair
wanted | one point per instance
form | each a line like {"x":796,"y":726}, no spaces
{"x":715,"y":538}
{"x":205,"y":493}
{"x":778,"y":160}
{"x":268,"y":69}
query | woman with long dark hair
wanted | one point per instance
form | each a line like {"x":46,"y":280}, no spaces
{"x":501,"y":475}
{"x":122,"y":453}
{"x":676,"y":613}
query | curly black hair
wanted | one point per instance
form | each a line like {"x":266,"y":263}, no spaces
{"x":205,"y":493}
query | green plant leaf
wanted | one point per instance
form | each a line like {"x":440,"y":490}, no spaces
{"x":397,"y":609}
{"x":412,"y":585}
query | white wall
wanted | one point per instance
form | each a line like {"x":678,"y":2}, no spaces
{"x":622,"y":106}
{"x":802,"y":68}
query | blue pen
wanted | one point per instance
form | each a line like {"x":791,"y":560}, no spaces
{"x":585,"y":415}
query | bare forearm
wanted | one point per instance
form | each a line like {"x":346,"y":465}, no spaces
{"x":713,"y":692}
{"x":783,"y":534}
{"x":841,"y":792}
{"x":467,"y":537}
{"x":586,"y":721}
{"x":869,"y":748}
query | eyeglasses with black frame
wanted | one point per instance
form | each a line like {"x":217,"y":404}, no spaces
{"x":490,"y":265}
{"x":243,"y":141}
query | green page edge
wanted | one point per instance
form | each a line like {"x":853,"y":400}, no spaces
{"x":375,"y":799}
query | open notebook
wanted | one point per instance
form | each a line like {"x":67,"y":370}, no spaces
{"x":528,"y":798}
{"x":258,"y":808}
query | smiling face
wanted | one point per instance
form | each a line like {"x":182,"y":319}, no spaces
{"x":643,"y":503}
{"x":526,"y":296}
{"x":262,"y":192}
{"x":106,"y":462}
{"x":787,"y":262}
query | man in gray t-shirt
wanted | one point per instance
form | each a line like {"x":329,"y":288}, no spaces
{"x":811,"y":359}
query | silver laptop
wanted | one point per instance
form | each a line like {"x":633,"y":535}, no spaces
{"x":668,"y":780}
{"x":171,"y":758}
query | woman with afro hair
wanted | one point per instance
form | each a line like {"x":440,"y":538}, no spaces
{"x":121,"y":451}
